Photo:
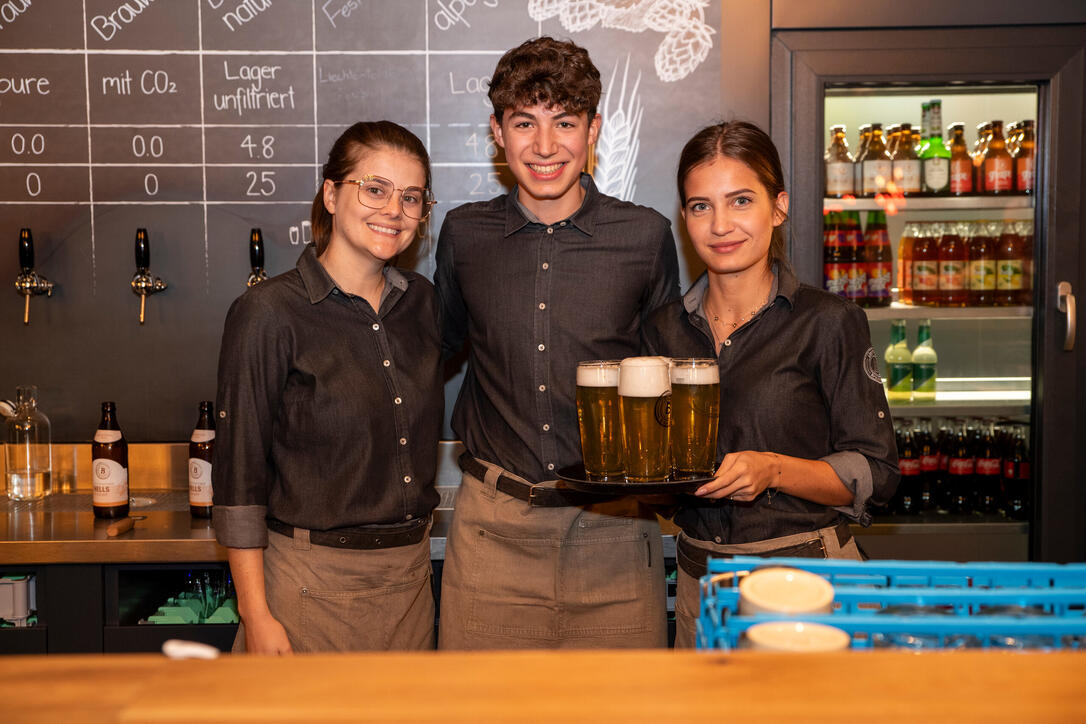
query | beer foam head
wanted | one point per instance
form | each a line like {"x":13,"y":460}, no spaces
{"x":694,"y":372}
{"x":644,"y":377}
{"x":597,"y":374}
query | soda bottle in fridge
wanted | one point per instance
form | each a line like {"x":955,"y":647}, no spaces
{"x":982,"y":265}
{"x":953,"y":262}
{"x":925,"y":258}
{"x":877,"y":258}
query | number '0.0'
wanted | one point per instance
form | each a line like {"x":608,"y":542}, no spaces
{"x":21,"y":145}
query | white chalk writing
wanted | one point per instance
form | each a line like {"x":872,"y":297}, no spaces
{"x":451,"y":12}
{"x":108,"y":26}
{"x":10,"y":10}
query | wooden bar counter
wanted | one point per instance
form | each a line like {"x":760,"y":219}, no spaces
{"x":609,"y":686}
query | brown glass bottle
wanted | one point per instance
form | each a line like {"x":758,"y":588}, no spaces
{"x":961,"y":163}
{"x":980,"y":146}
{"x":109,"y":466}
{"x":1024,"y":157}
{"x":953,"y":264}
{"x":857,"y":167}
{"x":906,"y":164}
{"x":998,"y":164}
{"x":201,"y":445}
{"x":876,"y":163}
{"x":839,"y":174}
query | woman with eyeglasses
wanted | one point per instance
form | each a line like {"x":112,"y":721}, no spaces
{"x":330,"y":398}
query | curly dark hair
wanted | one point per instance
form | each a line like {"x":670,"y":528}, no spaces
{"x":544,"y":70}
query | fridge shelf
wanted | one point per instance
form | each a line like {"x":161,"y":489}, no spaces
{"x":897,"y":310}
{"x":921,"y":203}
{"x":977,"y":408}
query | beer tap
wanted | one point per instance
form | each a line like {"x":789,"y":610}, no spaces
{"x":143,"y":283}
{"x":256,"y":258}
{"x":29,"y":282}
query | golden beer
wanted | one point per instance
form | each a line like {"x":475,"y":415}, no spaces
{"x":599,"y":420}
{"x":695,"y":415}
{"x":644,"y":391}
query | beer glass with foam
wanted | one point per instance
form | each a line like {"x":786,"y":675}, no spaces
{"x":644,"y":393}
{"x":695,"y":412}
{"x":600,"y":423}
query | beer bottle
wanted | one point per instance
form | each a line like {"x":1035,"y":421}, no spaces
{"x":924,"y":363}
{"x":1017,"y":477}
{"x":857,"y":167}
{"x":982,"y":266}
{"x":953,"y":263}
{"x":109,"y":464}
{"x":935,"y":156}
{"x":1024,"y":231}
{"x":961,"y":163}
{"x":834,"y":266}
{"x":925,"y":259}
{"x":856,"y":288}
{"x":200,"y":446}
{"x":906,"y":165}
{"x":899,"y":365}
{"x":839,"y":163}
{"x":998,"y":164}
{"x":892,"y":134}
{"x":960,"y":468}
{"x":1011,"y":134}
{"x":876,"y":163}
{"x":1009,"y":264}
{"x":989,"y":469}
{"x":905,"y":264}
{"x":877,"y":258}
{"x":908,"y":498}
{"x":980,"y":146}
{"x":1024,"y":157}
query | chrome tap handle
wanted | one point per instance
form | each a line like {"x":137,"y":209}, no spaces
{"x":143,"y":283}
{"x":29,"y":283}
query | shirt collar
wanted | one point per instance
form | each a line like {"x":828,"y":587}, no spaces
{"x":318,"y":284}
{"x":517,"y":216}
{"x":785,"y":285}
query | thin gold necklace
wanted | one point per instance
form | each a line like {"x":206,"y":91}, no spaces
{"x":736,"y":323}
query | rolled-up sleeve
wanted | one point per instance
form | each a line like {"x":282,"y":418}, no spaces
{"x":864,"y":449}
{"x":252,"y":373}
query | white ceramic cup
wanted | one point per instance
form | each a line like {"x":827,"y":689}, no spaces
{"x":784,"y":590}
{"x":794,"y":636}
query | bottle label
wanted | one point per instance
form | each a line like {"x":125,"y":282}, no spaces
{"x":1024,"y":172}
{"x":899,"y":378}
{"x":199,"y":480}
{"x":998,"y":175}
{"x":1023,"y":470}
{"x":1008,"y":469}
{"x":857,"y":281}
{"x":925,"y":275}
{"x":1009,"y":274}
{"x":961,"y":176}
{"x":952,"y":274}
{"x":202,"y":435}
{"x":988,"y":466}
{"x":936,"y":174}
{"x":923,"y":377}
{"x":878,"y":279}
{"x":876,"y":175}
{"x":838,"y":178}
{"x":982,"y":274}
{"x":110,"y":481}
{"x":107,"y":435}
{"x":908,"y":466}
{"x":929,"y":463}
{"x":907,"y":175}
{"x":961,"y":466}
{"x":835,"y":278}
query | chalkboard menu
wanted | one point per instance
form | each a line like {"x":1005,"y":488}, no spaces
{"x":201,"y":119}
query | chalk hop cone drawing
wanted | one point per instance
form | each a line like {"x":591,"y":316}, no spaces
{"x":615,"y":166}
{"x":687,"y":39}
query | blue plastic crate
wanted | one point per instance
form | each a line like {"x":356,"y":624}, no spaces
{"x":972,"y":602}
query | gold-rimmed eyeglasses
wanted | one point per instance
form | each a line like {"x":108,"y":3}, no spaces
{"x":375,"y":191}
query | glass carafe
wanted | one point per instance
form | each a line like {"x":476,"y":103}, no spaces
{"x":29,"y":452}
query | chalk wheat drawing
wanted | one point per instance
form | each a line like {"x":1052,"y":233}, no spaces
{"x":687,"y":39}
{"x":616,"y":149}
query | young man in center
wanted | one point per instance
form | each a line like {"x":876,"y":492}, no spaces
{"x":535,"y":281}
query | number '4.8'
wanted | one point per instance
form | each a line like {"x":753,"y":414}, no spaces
{"x":265,"y":150}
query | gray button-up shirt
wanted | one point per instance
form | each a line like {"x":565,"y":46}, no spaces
{"x":329,"y":413}
{"x":799,"y":379}
{"x":533,"y":300}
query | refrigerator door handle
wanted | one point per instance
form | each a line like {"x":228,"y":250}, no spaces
{"x":1065,"y":300}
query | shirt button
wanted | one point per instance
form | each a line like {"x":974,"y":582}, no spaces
{"x":335,"y":291}
{"x":409,"y":516}
{"x":542,"y":305}
{"x":398,"y":401}
{"x":222,"y":414}
{"x":376,"y":327}
{"x":546,"y":427}
{"x":546,"y":265}
{"x":403,"y":440}
{"x":386,"y":363}
{"x":727,"y":343}
{"x":881,"y":414}
{"x":563,"y":223}
{"x":541,"y":347}
{"x":550,"y":466}
{"x":550,"y":230}
{"x":542,"y":388}
{"x":717,"y":539}
{"x":407,"y":478}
